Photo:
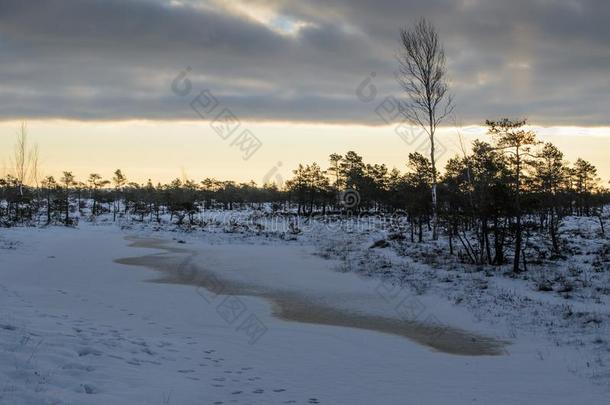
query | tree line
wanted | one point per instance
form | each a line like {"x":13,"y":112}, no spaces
{"x":489,"y":199}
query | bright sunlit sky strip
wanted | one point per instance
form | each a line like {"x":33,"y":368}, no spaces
{"x":166,"y":150}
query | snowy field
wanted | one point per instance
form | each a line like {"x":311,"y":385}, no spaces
{"x":246,"y":311}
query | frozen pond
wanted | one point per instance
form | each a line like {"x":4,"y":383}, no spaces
{"x":329,"y":298}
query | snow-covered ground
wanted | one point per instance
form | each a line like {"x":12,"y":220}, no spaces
{"x":78,"y":327}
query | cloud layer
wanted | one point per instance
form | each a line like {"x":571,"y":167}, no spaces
{"x":268,"y":60}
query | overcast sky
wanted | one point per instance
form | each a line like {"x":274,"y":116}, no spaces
{"x":268,"y":60}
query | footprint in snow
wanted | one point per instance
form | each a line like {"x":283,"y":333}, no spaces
{"x":89,"y":389}
{"x":86,"y":351}
{"x":79,"y":367}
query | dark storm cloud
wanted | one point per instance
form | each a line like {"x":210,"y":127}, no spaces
{"x":109,"y":59}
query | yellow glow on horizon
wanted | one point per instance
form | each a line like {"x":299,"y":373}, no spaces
{"x":164,"y":150}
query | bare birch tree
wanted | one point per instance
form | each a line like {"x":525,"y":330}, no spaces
{"x":423,"y":77}
{"x":25,"y":159}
